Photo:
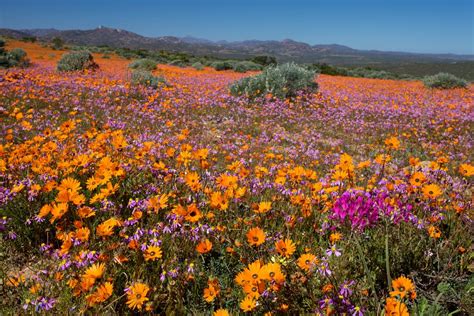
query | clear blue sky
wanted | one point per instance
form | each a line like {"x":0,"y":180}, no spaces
{"x":432,"y":26}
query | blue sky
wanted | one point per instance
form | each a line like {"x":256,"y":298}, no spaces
{"x":428,"y":26}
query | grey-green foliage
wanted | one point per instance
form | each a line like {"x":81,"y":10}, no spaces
{"x":14,"y":58}
{"x":146,"y":78}
{"x":222,"y":65}
{"x":143,"y":64}
{"x":75,"y":61}
{"x":244,"y":66}
{"x":444,"y":80}
{"x":17,"y":58}
{"x":178,"y":62}
{"x":370,"y":73}
{"x":198,"y":66}
{"x":283,"y":81}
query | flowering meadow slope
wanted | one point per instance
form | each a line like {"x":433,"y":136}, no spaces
{"x":122,"y":199}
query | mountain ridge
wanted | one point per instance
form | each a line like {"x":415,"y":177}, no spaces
{"x":284,"y":50}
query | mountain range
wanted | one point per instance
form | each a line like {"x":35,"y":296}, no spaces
{"x":285,"y":50}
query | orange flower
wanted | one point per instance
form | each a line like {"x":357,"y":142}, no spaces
{"x":393,"y":307}
{"x":431,"y":191}
{"x":221,"y":312}
{"x":95,"y":271}
{"x":70,"y":185}
{"x":204,"y":246}
{"x":307,"y":261}
{"x":392,"y":143}
{"x":137,"y":295}
{"x":218,"y":201}
{"x":210,"y":294}
{"x":434,"y":232}
{"x":107,"y":227}
{"x":285,"y":247}
{"x":272,"y":272}
{"x":192,"y":180}
{"x":253,"y":289}
{"x":193,"y":214}
{"x":152,"y":253}
{"x":263,"y":207}
{"x":82,"y":234}
{"x":335,"y":237}
{"x":402,"y":287}
{"x":103,"y":292}
{"x":157,"y":203}
{"x":248,"y":304}
{"x":58,"y":210}
{"x":417,"y":179}
{"x":466,"y":170}
{"x":256,"y":236}
{"x":85,"y":212}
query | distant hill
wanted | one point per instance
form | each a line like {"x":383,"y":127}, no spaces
{"x":285,"y":50}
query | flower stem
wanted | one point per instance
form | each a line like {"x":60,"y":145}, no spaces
{"x":387,"y":258}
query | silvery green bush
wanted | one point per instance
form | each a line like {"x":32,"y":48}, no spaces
{"x":74,"y":61}
{"x":444,"y":81}
{"x":244,"y":66}
{"x":198,"y":66}
{"x":143,"y":64}
{"x":222,"y":65}
{"x":146,"y":78}
{"x":14,"y":58}
{"x":283,"y":81}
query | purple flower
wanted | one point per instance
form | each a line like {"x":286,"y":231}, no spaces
{"x":333,"y":251}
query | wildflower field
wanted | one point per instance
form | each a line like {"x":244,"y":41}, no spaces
{"x":121,"y":199}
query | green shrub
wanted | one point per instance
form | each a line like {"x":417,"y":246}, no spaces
{"x":26,"y":39}
{"x":57,"y":43}
{"x":143,"y":64}
{"x":326,"y":69}
{"x":370,"y":73}
{"x":146,"y":78}
{"x":14,"y":58}
{"x":444,"y":81}
{"x":17,"y":58}
{"x":265,"y":60}
{"x":178,"y":62}
{"x":75,"y":61}
{"x":198,"y":66}
{"x":283,"y":81}
{"x":244,"y":66}
{"x":222,"y":65}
